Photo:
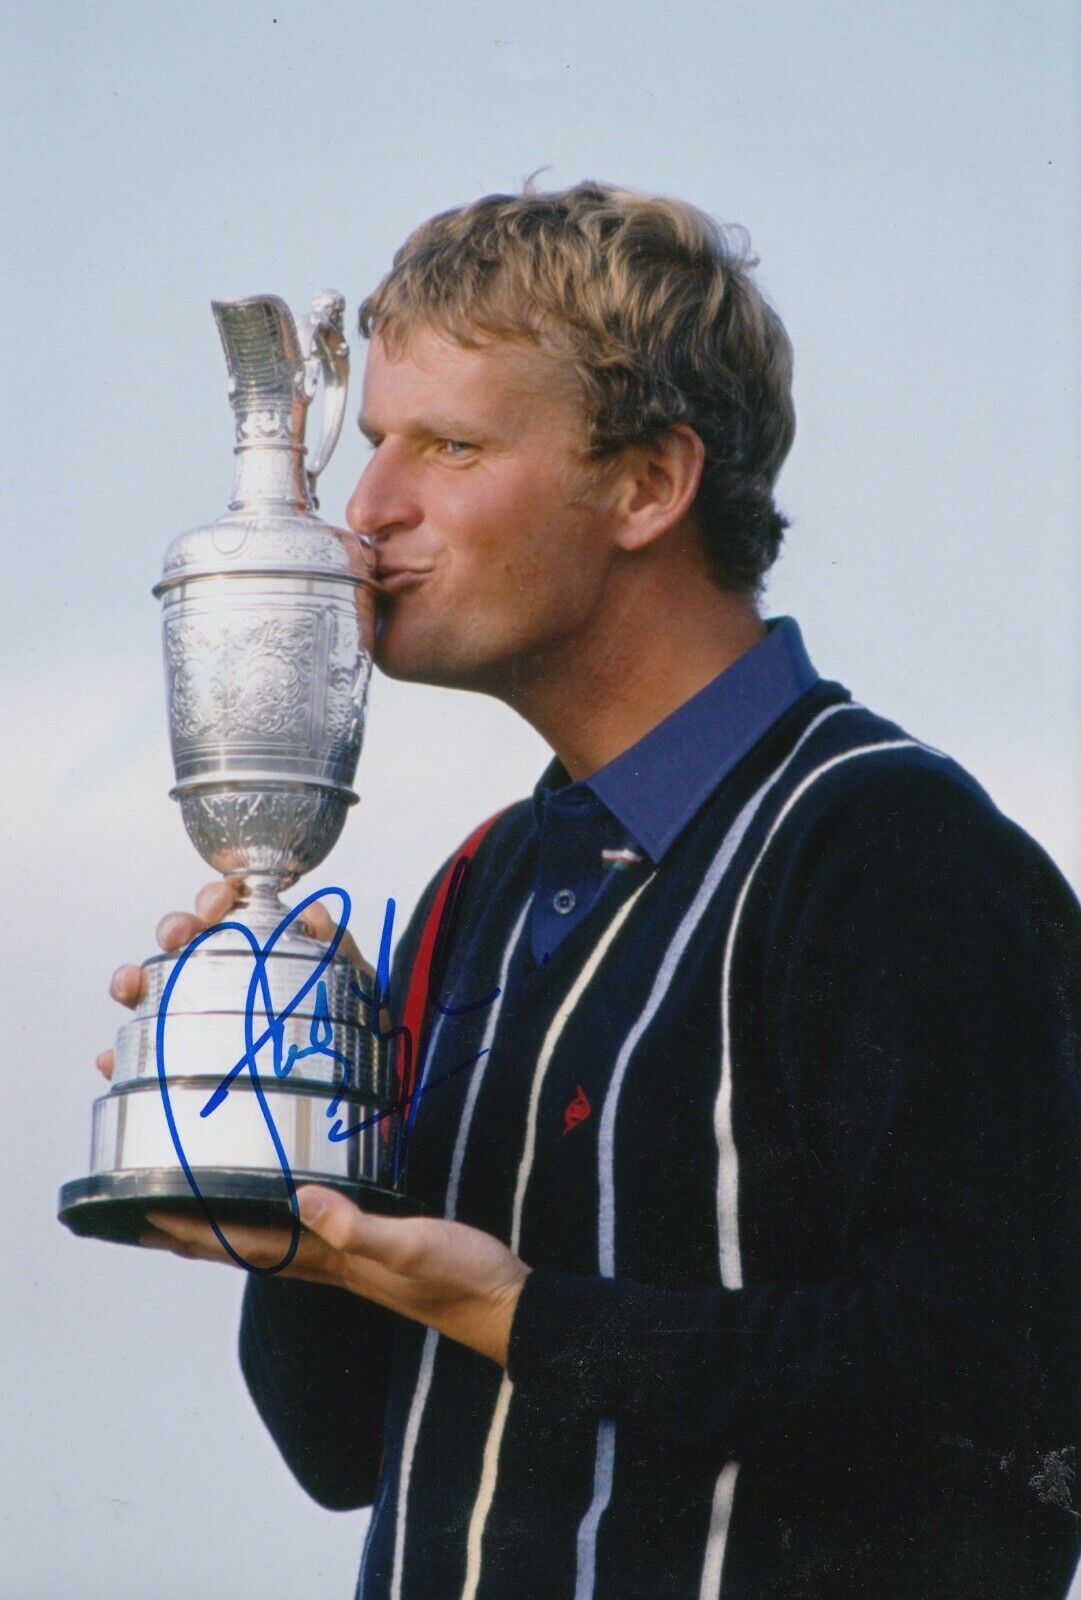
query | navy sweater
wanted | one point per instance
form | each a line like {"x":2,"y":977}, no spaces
{"x":789,"y":1130}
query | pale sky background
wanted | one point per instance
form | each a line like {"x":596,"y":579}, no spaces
{"x":909,"y":173}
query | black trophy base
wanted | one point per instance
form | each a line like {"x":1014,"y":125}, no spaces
{"x":114,"y":1205}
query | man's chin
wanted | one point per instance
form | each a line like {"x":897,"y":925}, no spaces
{"x":396,"y":659}
{"x":436,"y":671}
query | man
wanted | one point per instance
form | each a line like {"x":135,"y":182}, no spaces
{"x":751,"y":1262}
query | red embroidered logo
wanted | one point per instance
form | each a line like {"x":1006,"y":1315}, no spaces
{"x":578,"y":1110}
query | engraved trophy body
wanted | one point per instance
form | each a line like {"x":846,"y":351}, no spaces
{"x":248,"y":1064}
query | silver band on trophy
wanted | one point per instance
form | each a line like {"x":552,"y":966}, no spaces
{"x":267,"y":665}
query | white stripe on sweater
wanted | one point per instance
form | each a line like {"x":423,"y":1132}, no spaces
{"x":490,"y":1469}
{"x":728,"y":1156}
{"x":606,"y":1227}
{"x":603,"y":1469}
{"x":606,"y":1223}
{"x":450,"y":1207}
{"x":720,"y":1516}
{"x":728,"y":1159}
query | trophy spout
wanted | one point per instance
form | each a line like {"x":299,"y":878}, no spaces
{"x":267,"y":394}
{"x":266,"y":368}
{"x":276,"y":366}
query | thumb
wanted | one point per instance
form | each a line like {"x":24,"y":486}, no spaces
{"x":331,"y":1217}
{"x":400,"y":1244}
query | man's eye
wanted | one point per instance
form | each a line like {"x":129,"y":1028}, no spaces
{"x":455,"y":447}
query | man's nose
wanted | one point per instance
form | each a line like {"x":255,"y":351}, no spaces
{"x":384,"y":499}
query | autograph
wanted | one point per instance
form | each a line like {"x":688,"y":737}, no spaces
{"x":411,"y":1050}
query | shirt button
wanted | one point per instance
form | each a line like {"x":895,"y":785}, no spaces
{"x":564,"y":901}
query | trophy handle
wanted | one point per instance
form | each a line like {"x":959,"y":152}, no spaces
{"x":325,"y":351}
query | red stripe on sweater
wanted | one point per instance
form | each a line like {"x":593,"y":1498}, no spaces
{"x":416,"y":1014}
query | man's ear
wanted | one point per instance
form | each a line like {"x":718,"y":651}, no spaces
{"x":660,"y":483}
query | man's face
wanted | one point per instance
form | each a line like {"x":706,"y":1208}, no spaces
{"x":492,"y":536}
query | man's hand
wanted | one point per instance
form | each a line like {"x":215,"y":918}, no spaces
{"x":458,"y":1280}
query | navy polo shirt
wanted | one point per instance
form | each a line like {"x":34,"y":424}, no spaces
{"x":635,"y":808}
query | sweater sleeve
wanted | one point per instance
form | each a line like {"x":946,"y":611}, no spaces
{"x":316,"y":1361}
{"x":925,"y":1027}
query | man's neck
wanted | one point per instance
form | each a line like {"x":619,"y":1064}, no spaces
{"x":657,"y":646}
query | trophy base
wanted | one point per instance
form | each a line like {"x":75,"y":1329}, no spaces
{"x":113,"y":1205}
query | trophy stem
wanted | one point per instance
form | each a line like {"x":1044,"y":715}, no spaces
{"x":259,"y":904}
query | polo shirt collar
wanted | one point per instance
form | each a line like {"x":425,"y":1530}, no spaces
{"x":655,"y":788}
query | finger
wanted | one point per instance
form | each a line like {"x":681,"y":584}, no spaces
{"x":216,"y":900}
{"x":154,"y":1239}
{"x":106,"y":1063}
{"x":255,"y":1247}
{"x":191,"y":1244}
{"x":177,"y":928}
{"x":323,"y":927}
{"x":192,"y":1232}
{"x":128,"y":985}
{"x":213,"y":904}
{"x":194,"y":1239}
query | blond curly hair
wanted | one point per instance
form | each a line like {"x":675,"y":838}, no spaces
{"x":653,"y":304}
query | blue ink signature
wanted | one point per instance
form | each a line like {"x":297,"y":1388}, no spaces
{"x":320,"y":1037}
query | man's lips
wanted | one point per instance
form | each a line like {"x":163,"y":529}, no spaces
{"x":391,"y":579}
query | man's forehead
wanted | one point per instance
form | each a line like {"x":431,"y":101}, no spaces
{"x":428,"y":367}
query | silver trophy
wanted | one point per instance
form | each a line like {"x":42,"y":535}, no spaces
{"x":249,"y":1066}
